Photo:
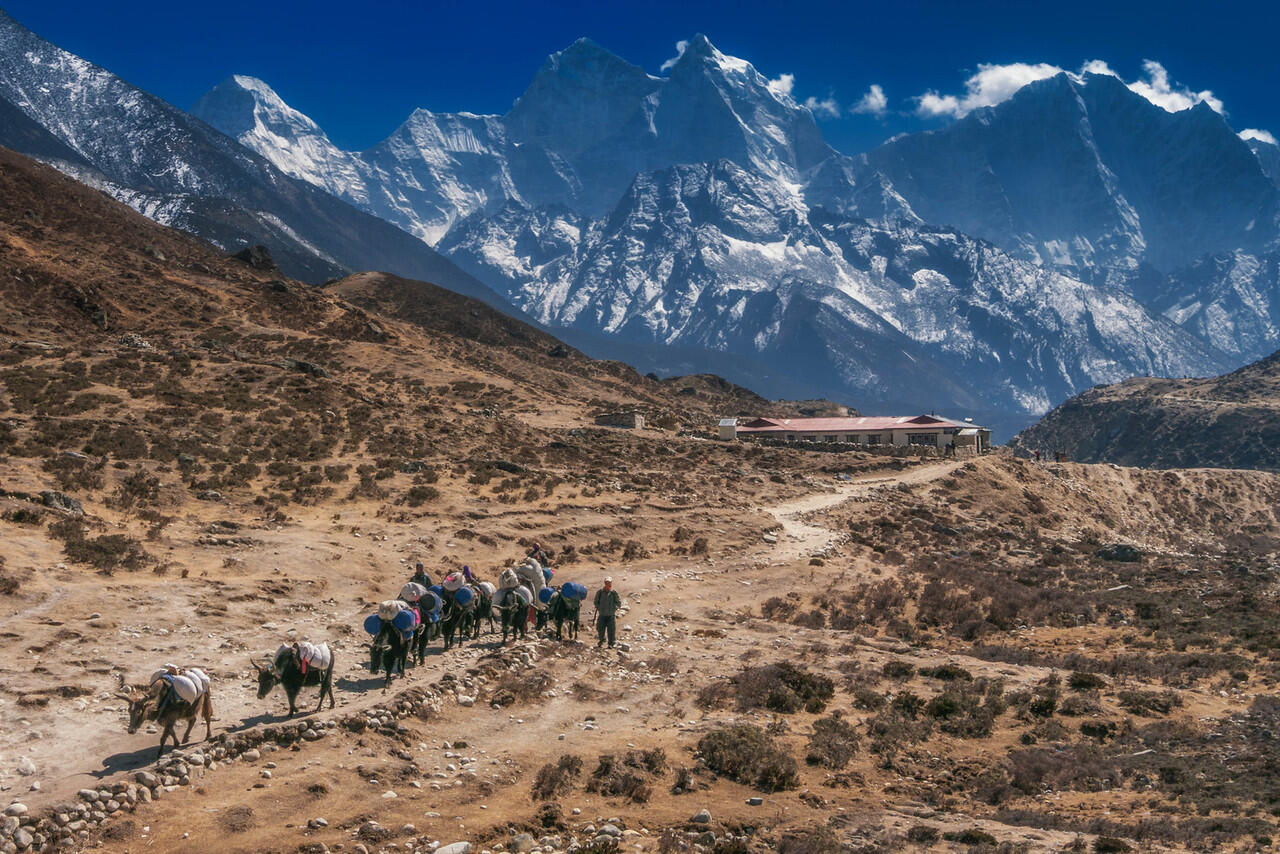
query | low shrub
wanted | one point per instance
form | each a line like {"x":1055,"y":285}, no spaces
{"x":784,"y":688}
{"x":832,"y":744}
{"x":554,"y":780}
{"x":746,"y":754}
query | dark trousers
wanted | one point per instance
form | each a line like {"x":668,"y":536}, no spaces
{"x":606,"y":624}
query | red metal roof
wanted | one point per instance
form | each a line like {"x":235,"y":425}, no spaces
{"x":868,"y":424}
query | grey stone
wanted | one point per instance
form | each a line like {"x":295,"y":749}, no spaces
{"x":455,"y":848}
{"x":703,"y":817}
{"x":146,"y":778}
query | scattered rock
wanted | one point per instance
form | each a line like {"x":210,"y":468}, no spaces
{"x":703,"y":816}
{"x":26,"y":767}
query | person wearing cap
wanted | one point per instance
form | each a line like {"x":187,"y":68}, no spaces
{"x":607,"y":604}
{"x":420,"y":575}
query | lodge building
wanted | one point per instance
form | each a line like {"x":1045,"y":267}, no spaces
{"x":920,"y":430}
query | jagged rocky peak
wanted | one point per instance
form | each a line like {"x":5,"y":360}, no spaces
{"x":580,"y":97}
{"x":1081,"y":171}
{"x":241,"y":103}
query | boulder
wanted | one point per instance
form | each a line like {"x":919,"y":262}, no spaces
{"x":1122,"y":552}
{"x":258,"y":257}
{"x":64,"y":503}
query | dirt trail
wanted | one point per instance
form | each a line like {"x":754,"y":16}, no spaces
{"x":799,"y":539}
{"x":90,"y":731}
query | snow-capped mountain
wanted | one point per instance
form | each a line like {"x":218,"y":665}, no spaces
{"x":719,"y":257}
{"x":1072,"y":235}
{"x":181,"y":172}
{"x":587,"y":124}
{"x":1079,"y":172}
{"x":576,"y":205}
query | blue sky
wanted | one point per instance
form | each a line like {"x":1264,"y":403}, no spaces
{"x":360,"y":69}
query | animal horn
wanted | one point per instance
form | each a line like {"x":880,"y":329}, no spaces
{"x":256,"y":665}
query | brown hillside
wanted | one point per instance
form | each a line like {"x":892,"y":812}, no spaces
{"x":1232,"y":421}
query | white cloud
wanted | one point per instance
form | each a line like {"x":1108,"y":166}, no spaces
{"x":680,"y":49}
{"x":1258,"y":134}
{"x":783,"y":85}
{"x":991,"y":85}
{"x":994,"y":84}
{"x":827,"y":108}
{"x":874,"y":102}
{"x":1157,"y":89}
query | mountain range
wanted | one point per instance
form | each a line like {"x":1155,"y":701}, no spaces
{"x":1073,"y":235}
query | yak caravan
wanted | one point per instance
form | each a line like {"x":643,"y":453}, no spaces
{"x":400,"y":631}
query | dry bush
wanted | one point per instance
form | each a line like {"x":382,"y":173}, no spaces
{"x":554,"y":780}
{"x":833,"y":743}
{"x":629,"y":775}
{"x":515,"y":688}
{"x":783,"y":687}
{"x":746,"y":754}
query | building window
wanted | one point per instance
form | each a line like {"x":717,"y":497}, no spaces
{"x":873,"y":439}
{"x":922,"y":439}
{"x":832,"y":438}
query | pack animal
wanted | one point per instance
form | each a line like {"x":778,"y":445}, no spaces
{"x":456,"y":621}
{"x":389,"y":650}
{"x":160,"y":702}
{"x":564,"y":613}
{"x":513,"y":612}
{"x":294,"y":667}
{"x":483,"y":609}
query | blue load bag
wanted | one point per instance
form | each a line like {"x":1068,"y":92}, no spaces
{"x":545,"y":595}
{"x":463,"y":596}
{"x":574,"y":590}
{"x":546,"y":574}
{"x":431,"y":604}
{"x":437,"y":589}
{"x":372,"y":624}
{"x":405,"y":621}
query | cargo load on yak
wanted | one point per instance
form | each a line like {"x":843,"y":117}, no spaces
{"x":530,"y":572}
{"x":508,"y":579}
{"x":505,"y":596}
{"x":412,"y":592}
{"x":189,"y":683}
{"x":453,"y":581}
{"x":388,"y":609}
{"x":311,"y":656}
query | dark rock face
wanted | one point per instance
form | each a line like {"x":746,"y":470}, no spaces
{"x":258,"y":257}
{"x":1122,"y":552}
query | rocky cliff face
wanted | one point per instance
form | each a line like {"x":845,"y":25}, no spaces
{"x":1231,"y":421}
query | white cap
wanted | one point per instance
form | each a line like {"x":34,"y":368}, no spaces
{"x":608,"y":579}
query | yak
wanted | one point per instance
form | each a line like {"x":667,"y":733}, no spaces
{"x":457,"y":621}
{"x":145,"y":703}
{"x":514,"y":615}
{"x":564,"y":612}
{"x":389,"y":650}
{"x":288,"y":669}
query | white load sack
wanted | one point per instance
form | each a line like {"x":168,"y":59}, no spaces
{"x":488,"y":588}
{"x":453,"y":582}
{"x":316,"y":656}
{"x":530,"y":573}
{"x":199,"y":676}
{"x":508,"y":579}
{"x":412,"y":592}
{"x":188,"y":689}
{"x":387,"y":610}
